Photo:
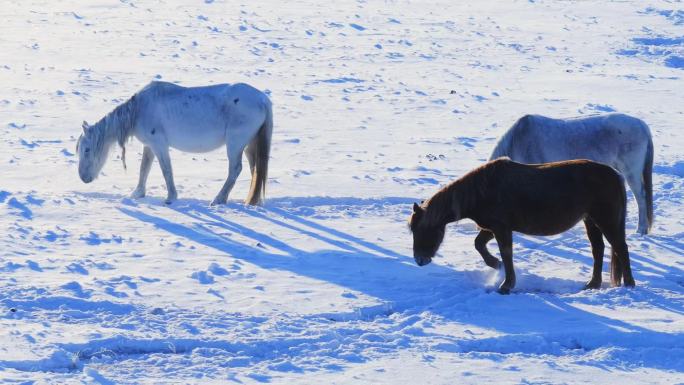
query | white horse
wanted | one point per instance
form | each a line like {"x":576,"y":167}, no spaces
{"x":191,"y":119}
{"x":618,"y":140}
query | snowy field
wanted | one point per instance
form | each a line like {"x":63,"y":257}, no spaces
{"x":377,"y":104}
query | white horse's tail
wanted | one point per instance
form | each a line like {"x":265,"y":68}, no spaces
{"x":260,"y":148}
{"x":648,"y":183}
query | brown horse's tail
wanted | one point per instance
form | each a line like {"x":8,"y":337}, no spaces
{"x":617,"y":265}
{"x":615,"y":269}
{"x":648,"y":183}
{"x":260,"y":148}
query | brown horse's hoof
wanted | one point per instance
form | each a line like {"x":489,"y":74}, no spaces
{"x":592,"y":285}
{"x":630,"y":283}
{"x":494,"y":263}
{"x":504,"y":290}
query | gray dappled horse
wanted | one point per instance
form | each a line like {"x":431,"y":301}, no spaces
{"x":620,"y":141}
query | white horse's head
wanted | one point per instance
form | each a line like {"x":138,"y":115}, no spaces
{"x":92,"y":153}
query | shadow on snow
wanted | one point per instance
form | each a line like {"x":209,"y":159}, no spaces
{"x":389,"y":276}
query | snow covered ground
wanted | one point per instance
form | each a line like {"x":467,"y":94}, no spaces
{"x":377,"y":104}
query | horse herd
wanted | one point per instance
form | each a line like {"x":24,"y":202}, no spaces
{"x":543,"y":177}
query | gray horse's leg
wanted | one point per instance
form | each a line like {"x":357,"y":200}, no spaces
{"x":637,"y":186}
{"x":234,"y":169}
{"x":165,"y":165}
{"x":145,"y":166}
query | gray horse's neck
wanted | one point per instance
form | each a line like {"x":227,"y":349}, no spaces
{"x":502,"y":146}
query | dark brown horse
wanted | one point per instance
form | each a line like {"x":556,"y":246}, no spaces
{"x":503,"y":196}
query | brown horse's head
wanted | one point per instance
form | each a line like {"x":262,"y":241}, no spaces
{"x":427,"y":237}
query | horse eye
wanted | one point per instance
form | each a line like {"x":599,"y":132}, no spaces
{"x":87,"y":150}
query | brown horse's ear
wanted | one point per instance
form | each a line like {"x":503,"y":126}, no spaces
{"x":85,"y":126}
{"x":416,"y":216}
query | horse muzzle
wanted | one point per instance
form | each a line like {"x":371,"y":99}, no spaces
{"x":85,"y":178}
{"x":422,"y":261}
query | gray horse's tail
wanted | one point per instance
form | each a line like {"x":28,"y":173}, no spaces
{"x":617,"y":264}
{"x":259,"y":150}
{"x":648,"y":183}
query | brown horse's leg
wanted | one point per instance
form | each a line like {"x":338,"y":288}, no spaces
{"x":627,"y":269}
{"x":597,"y":248}
{"x":614,"y":231}
{"x":620,"y":253}
{"x":505,"y":240}
{"x":481,"y":246}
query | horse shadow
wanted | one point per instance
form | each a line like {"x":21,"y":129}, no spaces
{"x":568,"y":244}
{"x":209,"y":228}
{"x":390,"y":276}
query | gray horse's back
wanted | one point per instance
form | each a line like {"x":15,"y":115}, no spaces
{"x":602,"y":138}
{"x":161,"y":88}
{"x":618,"y":140}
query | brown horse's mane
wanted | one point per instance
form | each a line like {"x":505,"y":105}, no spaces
{"x":455,"y":200}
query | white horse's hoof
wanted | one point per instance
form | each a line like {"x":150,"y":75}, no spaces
{"x":217,"y":202}
{"x":137,"y":194}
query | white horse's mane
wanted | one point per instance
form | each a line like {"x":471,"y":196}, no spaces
{"x":116,"y":125}
{"x":122,"y":120}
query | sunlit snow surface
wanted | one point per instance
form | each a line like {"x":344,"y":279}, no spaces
{"x":376,"y":105}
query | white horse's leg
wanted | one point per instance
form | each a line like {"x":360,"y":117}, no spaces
{"x":145,"y":166}
{"x":234,"y":169}
{"x":637,"y":186}
{"x":165,"y":164}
